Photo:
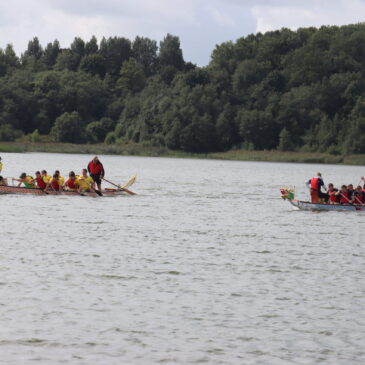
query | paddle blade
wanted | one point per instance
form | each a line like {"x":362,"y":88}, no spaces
{"x":130,"y":182}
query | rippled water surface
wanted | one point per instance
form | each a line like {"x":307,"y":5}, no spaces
{"x":205,"y":265}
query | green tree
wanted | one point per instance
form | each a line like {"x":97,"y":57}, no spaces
{"x":67,"y":60}
{"x":8,"y":60}
{"x":91,"y":47}
{"x":78,"y":48}
{"x":8,"y":133}
{"x":199,"y":136}
{"x":223,"y":57}
{"x":171,"y":52}
{"x":47,"y":90}
{"x":354,"y":136}
{"x":99,"y":129}
{"x":115,"y":51}
{"x":144,"y":51}
{"x":68,"y":128}
{"x":51,"y":53}
{"x":258,"y":128}
{"x":227,"y":129}
{"x":93,"y":64}
{"x":285,"y":141}
{"x":172,"y":139}
{"x":34,"y":49}
{"x":132,"y":77}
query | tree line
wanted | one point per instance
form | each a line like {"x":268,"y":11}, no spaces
{"x":286,"y":90}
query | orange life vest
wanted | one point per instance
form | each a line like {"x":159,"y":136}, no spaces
{"x":71,"y":184}
{"x":41,"y":184}
{"x":314,"y":183}
{"x":333,"y":197}
{"x":55,"y":185}
{"x":344,"y":197}
{"x":359,"y":199}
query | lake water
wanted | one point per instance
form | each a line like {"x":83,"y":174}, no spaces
{"x":206,"y":265}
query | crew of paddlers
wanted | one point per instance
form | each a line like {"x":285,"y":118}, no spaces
{"x":346,"y":194}
{"x":84,"y":182}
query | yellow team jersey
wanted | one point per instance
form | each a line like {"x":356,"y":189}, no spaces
{"x":61,"y":180}
{"x":46,"y":179}
{"x":28,"y":182}
{"x":1,"y":166}
{"x":85,"y":182}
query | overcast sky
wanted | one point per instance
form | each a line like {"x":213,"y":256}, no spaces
{"x":200,"y":24}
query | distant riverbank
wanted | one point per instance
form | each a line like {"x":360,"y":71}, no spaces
{"x":132,"y":149}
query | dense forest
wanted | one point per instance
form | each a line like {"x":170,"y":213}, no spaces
{"x":286,"y":90}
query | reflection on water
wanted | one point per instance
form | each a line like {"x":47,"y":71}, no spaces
{"x":205,"y":265}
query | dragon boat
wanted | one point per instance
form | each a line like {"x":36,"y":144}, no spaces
{"x":289,"y":195}
{"x":119,"y":190}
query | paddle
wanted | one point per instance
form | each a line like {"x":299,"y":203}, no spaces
{"x":362,"y":178}
{"x":348,"y":200}
{"x":359,"y":200}
{"x":121,"y":188}
{"x":131,"y":181}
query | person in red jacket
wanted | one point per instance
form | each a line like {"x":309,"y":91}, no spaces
{"x":314,"y":185}
{"x":359,"y":196}
{"x":344,"y":195}
{"x":332,"y":191}
{"x":53,"y":183}
{"x":71,"y":183}
{"x":39,"y":180}
{"x":96,"y":171}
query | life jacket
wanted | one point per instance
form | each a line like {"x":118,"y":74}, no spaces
{"x":71,"y":184}
{"x":359,"y":198}
{"x":95,"y":168}
{"x":333,"y":198}
{"x":344,"y":197}
{"x":55,"y":185}
{"x":40,"y":182}
{"x":314,"y":183}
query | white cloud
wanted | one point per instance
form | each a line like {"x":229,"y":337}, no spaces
{"x":221,"y":18}
{"x":295,"y":15}
{"x":200,"y":24}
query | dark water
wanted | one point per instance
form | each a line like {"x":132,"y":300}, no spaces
{"x":205,"y":265}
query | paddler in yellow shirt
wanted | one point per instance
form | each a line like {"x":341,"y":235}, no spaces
{"x":85,"y":182}
{"x":26,"y":180}
{"x":61,"y":180}
{"x":46,"y":178}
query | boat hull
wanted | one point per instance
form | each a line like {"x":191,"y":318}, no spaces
{"x":36,"y":191}
{"x":302,"y":205}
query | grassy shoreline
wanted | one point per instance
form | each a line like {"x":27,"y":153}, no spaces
{"x":140,"y":150}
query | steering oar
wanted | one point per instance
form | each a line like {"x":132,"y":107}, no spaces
{"x":119,"y":187}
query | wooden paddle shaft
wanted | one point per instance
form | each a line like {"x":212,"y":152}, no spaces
{"x":123,"y":189}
